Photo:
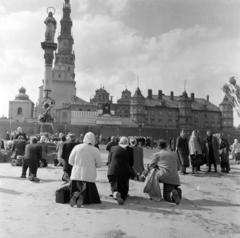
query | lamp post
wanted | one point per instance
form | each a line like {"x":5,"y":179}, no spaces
{"x":89,"y":128}
{"x":139,"y":132}
{"x":35,"y":131}
{"x":167,"y":135}
{"x":65,"y":129}
{"x":228,"y":139}
{"x":117,"y":132}
{"x":10,"y":127}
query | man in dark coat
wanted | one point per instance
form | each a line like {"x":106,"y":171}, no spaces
{"x":183,"y":151}
{"x":120,"y":163}
{"x":33,"y":153}
{"x":66,"y":151}
{"x":211,"y":151}
{"x":111,"y":143}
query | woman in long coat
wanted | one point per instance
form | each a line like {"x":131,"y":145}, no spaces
{"x":84,"y":158}
{"x":211,"y":151}
{"x":138,"y":166}
{"x":195,"y":152}
{"x":44,"y":146}
{"x":120,"y":163}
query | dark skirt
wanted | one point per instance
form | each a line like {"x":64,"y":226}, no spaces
{"x":87,"y":189}
{"x":119,"y":184}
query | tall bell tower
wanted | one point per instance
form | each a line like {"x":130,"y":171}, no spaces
{"x":65,"y":59}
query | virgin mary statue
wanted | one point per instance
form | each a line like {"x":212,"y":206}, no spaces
{"x":51,"y":26}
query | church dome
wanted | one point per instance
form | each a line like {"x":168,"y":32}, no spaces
{"x":22,"y":94}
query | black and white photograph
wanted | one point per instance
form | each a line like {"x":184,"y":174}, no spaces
{"x":120,"y":118}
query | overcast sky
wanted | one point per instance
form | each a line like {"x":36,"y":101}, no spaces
{"x":164,"y":42}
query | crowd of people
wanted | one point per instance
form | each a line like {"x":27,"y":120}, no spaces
{"x":80,"y":157}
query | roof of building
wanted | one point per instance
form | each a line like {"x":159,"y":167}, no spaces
{"x":197,"y":103}
{"x":126,"y":91}
{"x":225,"y":101}
{"x":137,"y":93}
{"x":22,"y":95}
{"x":101,"y":90}
{"x":78,"y":100}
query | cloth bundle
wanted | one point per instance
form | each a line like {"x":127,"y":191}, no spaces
{"x":18,"y":161}
{"x":152,"y":186}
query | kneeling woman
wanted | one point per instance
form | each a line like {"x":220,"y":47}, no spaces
{"x":84,"y":158}
{"x":120,"y":162}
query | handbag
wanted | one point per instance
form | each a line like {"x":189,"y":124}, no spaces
{"x":197,"y":160}
{"x":62,"y":194}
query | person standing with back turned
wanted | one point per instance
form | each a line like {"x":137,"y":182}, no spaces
{"x":183,"y":151}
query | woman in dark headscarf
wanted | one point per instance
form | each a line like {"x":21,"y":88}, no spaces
{"x":84,"y":158}
{"x":138,"y":166}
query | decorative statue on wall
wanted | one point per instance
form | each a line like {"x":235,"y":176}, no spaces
{"x":51,"y":26}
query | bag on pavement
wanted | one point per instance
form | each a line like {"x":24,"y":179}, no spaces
{"x":152,"y":186}
{"x":62,"y":194}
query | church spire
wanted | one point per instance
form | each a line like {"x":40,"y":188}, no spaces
{"x":65,"y":57}
{"x":66,"y":22}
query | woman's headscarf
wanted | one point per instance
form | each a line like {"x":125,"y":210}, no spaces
{"x":133,"y":142}
{"x":89,"y":138}
{"x":43,"y":139}
{"x":123,"y":142}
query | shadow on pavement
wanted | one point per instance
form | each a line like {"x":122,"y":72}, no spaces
{"x":9,"y":191}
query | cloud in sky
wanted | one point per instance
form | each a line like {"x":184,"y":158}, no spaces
{"x":110,"y":51}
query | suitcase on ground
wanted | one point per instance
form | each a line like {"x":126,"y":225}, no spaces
{"x":62,"y":194}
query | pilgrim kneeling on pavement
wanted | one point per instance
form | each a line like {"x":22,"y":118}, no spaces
{"x":168,"y":166}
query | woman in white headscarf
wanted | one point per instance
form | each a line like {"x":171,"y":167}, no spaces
{"x":84,"y":158}
{"x":235,"y":150}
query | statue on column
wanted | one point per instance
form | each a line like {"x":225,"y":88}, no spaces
{"x":51,"y":26}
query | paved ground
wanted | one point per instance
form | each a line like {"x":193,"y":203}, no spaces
{"x":210,"y":208}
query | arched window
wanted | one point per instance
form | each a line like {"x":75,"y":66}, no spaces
{"x":19,"y":111}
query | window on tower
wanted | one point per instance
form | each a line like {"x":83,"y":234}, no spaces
{"x":19,"y":111}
